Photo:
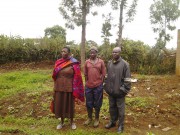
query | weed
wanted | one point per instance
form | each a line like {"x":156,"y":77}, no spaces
{"x":176,"y":106}
{"x":139,"y":102}
{"x":45,"y":106}
{"x":105,"y":107}
{"x":150,"y":133}
{"x":12,"y":110}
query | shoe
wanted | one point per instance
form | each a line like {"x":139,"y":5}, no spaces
{"x":59,"y":126}
{"x":110,"y":125}
{"x":120,"y":129}
{"x":96,"y":123}
{"x":87,"y":122}
{"x":73,"y":126}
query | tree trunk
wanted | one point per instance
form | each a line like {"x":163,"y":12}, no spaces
{"x":120,"y":23}
{"x":83,"y":36}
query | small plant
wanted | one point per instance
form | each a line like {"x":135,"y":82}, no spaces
{"x":12,"y":110}
{"x":150,"y":133}
{"x":138,"y":102}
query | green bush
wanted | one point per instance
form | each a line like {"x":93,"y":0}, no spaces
{"x":142,"y":58}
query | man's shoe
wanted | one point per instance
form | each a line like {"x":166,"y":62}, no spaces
{"x":120,"y":129}
{"x":87,"y":122}
{"x":110,"y":125}
{"x":96,"y":123}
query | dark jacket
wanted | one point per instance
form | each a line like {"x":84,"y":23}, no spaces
{"x":118,"y":81}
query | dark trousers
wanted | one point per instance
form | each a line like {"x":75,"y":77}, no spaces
{"x":117,"y":109}
{"x":94,"y":98}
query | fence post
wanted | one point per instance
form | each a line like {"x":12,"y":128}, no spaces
{"x":178,"y":55}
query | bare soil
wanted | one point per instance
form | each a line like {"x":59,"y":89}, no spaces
{"x":161,"y":116}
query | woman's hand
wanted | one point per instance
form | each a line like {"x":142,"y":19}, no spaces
{"x":77,"y":101}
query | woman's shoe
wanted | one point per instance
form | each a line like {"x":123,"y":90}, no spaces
{"x":73,"y":126}
{"x":59,"y":126}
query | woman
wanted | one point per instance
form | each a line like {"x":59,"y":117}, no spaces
{"x":67,"y":86}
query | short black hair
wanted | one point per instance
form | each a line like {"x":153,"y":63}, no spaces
{"x":66,"y":47}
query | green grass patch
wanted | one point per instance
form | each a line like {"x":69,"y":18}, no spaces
{"x":44,"y":126}
{"x":105,"y":107}
{"x":139,"y":102}
{"x":10,"y":130}
{"x":17,"y":81}
{"x":146,"y":77}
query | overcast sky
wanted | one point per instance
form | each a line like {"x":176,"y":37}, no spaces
{"x":29,"y":18}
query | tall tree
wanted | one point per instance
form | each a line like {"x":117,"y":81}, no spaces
{"x":56,"y":35}
{"x":55,"y":31}
{"x":106,"y":27}
{"x":122,"y":5}
{"x":163,"y":13}
{"x":75,"y":13}
{"x":105,"y":48}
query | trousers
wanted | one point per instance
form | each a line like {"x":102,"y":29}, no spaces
{"x":94,"y":97}
{"x":117,"y":109}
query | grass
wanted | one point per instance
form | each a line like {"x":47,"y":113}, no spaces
{"x":44,"y":126}
{"x":176,"y":106}
{"x":14,"y":82}
{"x":140,"y":102}
{"x":28,"y":125}
{"x":105,"y":107}
{"x":147,"y":77}
{"x":33,"y":84}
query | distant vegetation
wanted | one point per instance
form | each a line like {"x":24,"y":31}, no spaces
{"x":142,"y":58}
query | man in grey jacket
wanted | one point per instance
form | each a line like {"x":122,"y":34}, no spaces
{"x":117,"y":85}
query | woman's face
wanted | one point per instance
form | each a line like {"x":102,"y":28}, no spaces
{"x":65,"y":53}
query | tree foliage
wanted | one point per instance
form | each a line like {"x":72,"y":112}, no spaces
{"x":122,"y":5}
{"x":106,"y":27}
{"x":142,"y":58}
{"x":75,"y":13}
{"x":73,"y":10}
{"x":29,"y":50}
{"x":55,"y":32}
{"x":163,"y":13}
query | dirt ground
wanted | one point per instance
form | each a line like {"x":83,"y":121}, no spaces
{"x":161,"y":116}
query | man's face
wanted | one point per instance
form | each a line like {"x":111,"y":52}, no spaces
{"x":116,"y":54}
{"x":93,"y":54}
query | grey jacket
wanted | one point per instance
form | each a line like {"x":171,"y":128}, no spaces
{"x":118,"y":81}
